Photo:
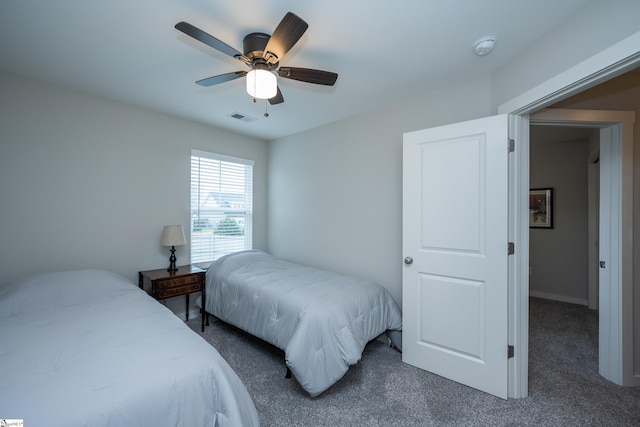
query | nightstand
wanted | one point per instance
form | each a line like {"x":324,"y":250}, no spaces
{"x":162,"y":284}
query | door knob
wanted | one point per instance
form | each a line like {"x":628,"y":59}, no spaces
{"x":408,"y":260}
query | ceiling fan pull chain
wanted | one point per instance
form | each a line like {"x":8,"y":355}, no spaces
{"x":266,"y":107}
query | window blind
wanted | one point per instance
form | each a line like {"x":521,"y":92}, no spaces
{"x":221,"y":205}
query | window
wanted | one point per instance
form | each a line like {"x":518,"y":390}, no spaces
{"x":221,"y":205}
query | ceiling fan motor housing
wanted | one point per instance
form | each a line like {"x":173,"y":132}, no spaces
{"x":253,"y":46}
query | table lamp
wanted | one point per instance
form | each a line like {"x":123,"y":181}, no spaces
{"x":173,"y":235}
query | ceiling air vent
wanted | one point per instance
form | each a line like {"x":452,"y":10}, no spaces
{"x":243,"y":117}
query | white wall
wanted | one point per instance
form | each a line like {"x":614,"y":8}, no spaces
{"x":335,"y":192}
{"x":558,"y":256}
{"x":596,"y":27}
{"x":89,"y":183}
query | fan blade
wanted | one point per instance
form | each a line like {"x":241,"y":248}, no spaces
{"x":278,"y":99}
{"x":308,"y":75}
{"x":286,"y":34}
{"x":210,"y":81}
{"x":207,"y":39}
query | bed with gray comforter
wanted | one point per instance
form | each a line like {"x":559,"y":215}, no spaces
{"x":321,"y":319}
{"x":90,"y":348}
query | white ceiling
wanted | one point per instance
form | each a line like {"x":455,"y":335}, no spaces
{"x":129,"y":50}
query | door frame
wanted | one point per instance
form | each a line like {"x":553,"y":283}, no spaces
{"x":593,"y":214}
{"x":609,"y":63}
{"x":616,"y":292}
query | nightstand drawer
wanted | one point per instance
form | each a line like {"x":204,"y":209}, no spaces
{"x":167,"y":293}
{"x":178,"y":281}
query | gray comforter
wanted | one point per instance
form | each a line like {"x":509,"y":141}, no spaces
{"x":322,"y":320}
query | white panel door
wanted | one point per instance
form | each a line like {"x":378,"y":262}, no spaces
{"x":455,"y":231}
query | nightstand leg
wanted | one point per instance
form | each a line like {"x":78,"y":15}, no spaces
{"x":203,"y":312}
{"x":187,"y":307}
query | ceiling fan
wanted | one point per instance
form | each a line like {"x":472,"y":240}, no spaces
{"x":262,"y":54}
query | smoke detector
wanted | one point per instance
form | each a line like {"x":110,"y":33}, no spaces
{"x":484,"y":46}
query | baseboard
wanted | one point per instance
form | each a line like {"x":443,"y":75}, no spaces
{"x":194,"y":313}
{"x":181,"y":314}
{"x":556,"y":297}
{"x":635,"y":381}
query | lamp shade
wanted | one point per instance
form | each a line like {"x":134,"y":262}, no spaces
{"x":262,"y":84}
{"x":173,"y":235}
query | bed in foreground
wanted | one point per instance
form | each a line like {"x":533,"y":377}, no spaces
{"x":321,"y":319}
{"x":89,"y":348}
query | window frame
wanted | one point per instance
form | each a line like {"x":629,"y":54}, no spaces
{"x":211,"y":237}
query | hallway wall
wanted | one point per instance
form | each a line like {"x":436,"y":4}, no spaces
{"x":558,"y":256}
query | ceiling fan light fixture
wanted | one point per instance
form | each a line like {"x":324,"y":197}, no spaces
{"x":262,"y":84}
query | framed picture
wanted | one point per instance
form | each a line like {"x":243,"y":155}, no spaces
{"x":540,"y":208}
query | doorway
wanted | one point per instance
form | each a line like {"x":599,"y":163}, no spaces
{"x":563,"y":310}
{"x":616,"y":138}
{"x":560,"y":249}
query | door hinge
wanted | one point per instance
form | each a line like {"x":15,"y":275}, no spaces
{"x":510,"y":352}
{"x":512,"y":145}
{"x":511,"y":248}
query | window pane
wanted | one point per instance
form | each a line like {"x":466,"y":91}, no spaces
{"x":221,"y":206}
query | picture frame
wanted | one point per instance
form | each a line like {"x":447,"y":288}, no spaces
{"x":541,"y":208}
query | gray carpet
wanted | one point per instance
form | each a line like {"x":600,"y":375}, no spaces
{"x":564,"y":386}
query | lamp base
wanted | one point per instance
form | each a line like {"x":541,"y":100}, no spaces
{"x":172,"y":261}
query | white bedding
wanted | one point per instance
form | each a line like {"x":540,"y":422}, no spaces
{"x":322,"y":320}
{"x":89,"y":348}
